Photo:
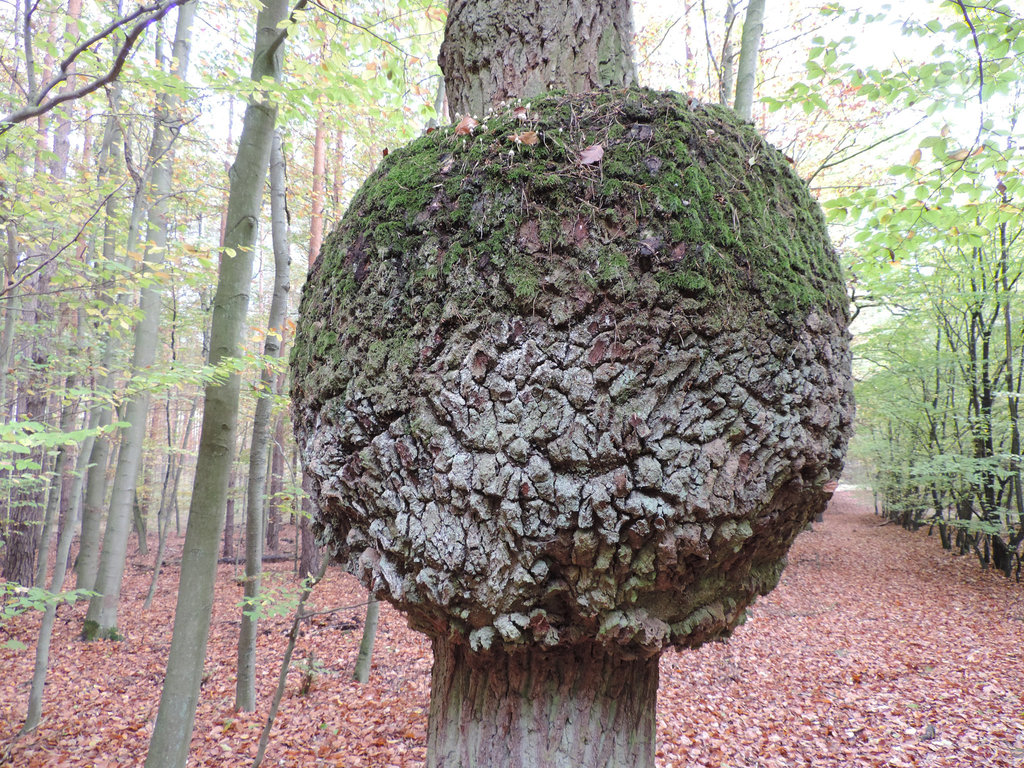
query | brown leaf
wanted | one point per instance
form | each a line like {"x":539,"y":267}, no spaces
{"x":592,"y":154}
{"x":521,"y":113}
{"x":915,"y":157}
{"x":466,"y":126}
{"x":526,"y":137}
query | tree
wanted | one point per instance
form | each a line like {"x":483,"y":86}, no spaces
{"x":938,"y":245}
{"x":101,"y":619}
{"x":245,"y":682}
{"x":524,"y":388}
{"x":173,"y":731}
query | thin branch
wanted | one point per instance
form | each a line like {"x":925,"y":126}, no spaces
{"x":367,"y":30}
{"x":981,"y":70}
{"x":39,"y":105}
{"x":880,"y":142}
{"x":49,"y":259}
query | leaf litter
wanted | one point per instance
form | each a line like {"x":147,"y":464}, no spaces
{"x":877,"y":649}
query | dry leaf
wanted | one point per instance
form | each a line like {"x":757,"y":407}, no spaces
{"x":915,"y":157}
{"x":526,"y":137}
{"x":959,"y":155}
{"x":521,"y":113}
{"x":592,"y":154}
{"x":466,"y":126}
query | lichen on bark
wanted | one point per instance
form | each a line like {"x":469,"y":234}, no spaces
{"x":549,"y":403}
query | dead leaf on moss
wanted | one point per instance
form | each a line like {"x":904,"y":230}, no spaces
{"x":526,"y":137}
{"x":466,"y":126}
{"x":592,"y":154}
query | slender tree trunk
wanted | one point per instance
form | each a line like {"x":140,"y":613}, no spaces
{"x":67,"y":423}
{"x":750,"y":47}
{"x":35,"y":700}
{"x":173,"y":731}
{"x":100,"y":414}
{"x":245,"y":682}
{"x":362,"y":671}
{"x":276,"y":488}
{"x":725,"y":82}
{"x":165,"y":503}
{"x":101,"y":618}
{"x":564,"y":708}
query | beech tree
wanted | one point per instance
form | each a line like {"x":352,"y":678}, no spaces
{"x":180,"y":694}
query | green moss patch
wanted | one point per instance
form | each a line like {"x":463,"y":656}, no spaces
{"x":687,"y":208}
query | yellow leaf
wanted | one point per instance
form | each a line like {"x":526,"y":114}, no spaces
{"x":915,"y":158}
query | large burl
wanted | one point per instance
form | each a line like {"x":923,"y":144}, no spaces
{"x":566,"y":411}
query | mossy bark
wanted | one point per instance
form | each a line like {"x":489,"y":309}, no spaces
{"x":573,"y":707}
{"x":495,"y":51}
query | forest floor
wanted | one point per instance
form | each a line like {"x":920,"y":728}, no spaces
{"x":877,"y":649}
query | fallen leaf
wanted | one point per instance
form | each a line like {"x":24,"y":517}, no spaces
{"x":526,"y":137}
{"x":466,"y":126}
{"x":521,"y":113}
{"x":592,"y":154}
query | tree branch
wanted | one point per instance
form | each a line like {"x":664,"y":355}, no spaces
{"x":39,"y":104}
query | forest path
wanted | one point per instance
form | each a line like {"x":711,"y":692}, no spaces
{"x":878,"y":649}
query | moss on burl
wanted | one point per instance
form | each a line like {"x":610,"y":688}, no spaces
{"x":688,"y":204}
{"x":543,"y":401}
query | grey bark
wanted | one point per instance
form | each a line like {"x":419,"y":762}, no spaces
{"x":166,"y":499}
{"x":180,"y":694}
{"x":35,"y":700}
{"x":746,"y":72}
{"x":101,"y":618}
{"x":495,"y":51}
{"x":575,"y":707}
{"x":558,"y":474}
{"x":245,"y":684}
{"x":53,"y":498}
{"x":728,"y":71}
{"x":361,"y":673}
{"x":88,"y":559}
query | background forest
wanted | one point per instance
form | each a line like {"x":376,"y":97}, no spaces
{"x":123,"y":160}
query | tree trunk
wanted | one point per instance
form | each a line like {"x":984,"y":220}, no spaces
{"x":576,"y":707}
{"x":101,"y":618}
{"x":750,"y":47}
{"x":276,"y":488}
{"x":362,"y":671}
{"x":495,"y":51}
{"x":228,"y":548}
{"x":245,"y":681}
{"x":176,"y":715}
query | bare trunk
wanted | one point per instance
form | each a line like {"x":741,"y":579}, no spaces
{"x":575,"y":707}
{"x":172,"y":733}
{"x":362,"y":671}
{"x":750,"y":47}
{"x":101,"y":619}
{"x":245,"y":684}
{"x":496,"y":51}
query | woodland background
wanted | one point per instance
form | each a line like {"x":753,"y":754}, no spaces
{"x":114,"y":203}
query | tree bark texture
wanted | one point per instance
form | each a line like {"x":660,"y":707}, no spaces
{"x":495,"y":51}
{"x":575,"y":707}
{"x":175,"y":718}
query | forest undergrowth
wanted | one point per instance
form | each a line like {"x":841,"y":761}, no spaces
{"x":877,"y":649}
